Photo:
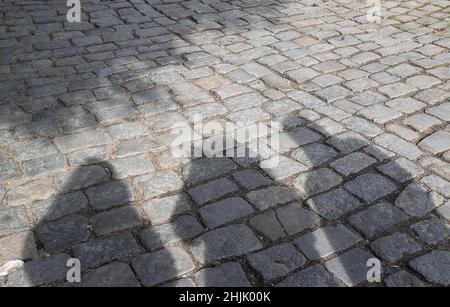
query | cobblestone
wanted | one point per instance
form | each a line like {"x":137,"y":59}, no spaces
{"x":86,"y":139}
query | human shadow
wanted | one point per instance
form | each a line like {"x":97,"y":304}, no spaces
{"x":318,"y":196}
{"x":325,"y":213}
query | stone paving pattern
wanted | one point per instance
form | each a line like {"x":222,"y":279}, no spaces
{"x":86,"y":170}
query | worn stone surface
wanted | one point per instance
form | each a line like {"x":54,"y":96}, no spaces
{"x":229,"y":274}
{"x":276,"y":261}
{"x":433,"y":266}
{"x":91,"y":115}
{"x":163,"y":265}
{"x":224,"y":242}
{"x":350,"y":267}
{"x":394,"y":247}
{"x":325,"y":241}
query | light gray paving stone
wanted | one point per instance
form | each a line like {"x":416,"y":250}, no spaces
{"x":325,"y":241}
{"x":379,"y":114}
{"x":157,"y":183}
{"x":89,"y":156}
{"x":18,"y":246}
{"x":233,"y":240}
{"x":276,"y":261}
{"x":224,"y":211}
{"x":183,"y":228}
{"x":368,"y":98}
{"x":160,"y":266}
{"x":131,"y":166}
{"x":362,"y":126}
{"x":437,"y":142}
{"x":431,"y":231}
{"x":82,"y":140}
{"x":297,"y":137}
{"x":31,"y":149}
{"x":334,"y":204}
{"x":333,"y":93}
{"x":395,"y":247}
{"x":399,"y":146}
{"x":163,"y":209}
{"x":39,"y":166}
{"x":415,"y":200}
{"x":421,"y":122}
{"x":433,"y":267}
{"x":294,"y":218}
{"x":437,"y":184}
{"x":136,"y":146}
{"x":350,"y":267}
{"x":271,"y":196}
{"x":377,"y":219}
{"x":13,"y":220}
{"x":317,"y":181}
{"x":28,"y":193}
{"x":313,"y":276}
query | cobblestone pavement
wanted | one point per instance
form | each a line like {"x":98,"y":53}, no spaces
{"x":86,"y":170}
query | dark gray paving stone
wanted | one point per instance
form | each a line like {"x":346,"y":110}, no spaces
{"x":416,"y":201}
{"x":295,"y":218}
{"x":212,"y":190}
{"x":115,"y":274}
{"x":116,"y":220}
{"x":13,"y":219}
{"x":403,"y":279}
{"x":334,"y":204}
{"x":317,"y":181}
{"x":276,"y":261}
{"x":110,"y":194}
{"x":228,"y":275}
{"x":376,"y":219}
{"x":183,"y":228}
{"x":233,"y":240}
{"x":40,"y":272}
{"x":56,"y":207}
{"x":224,"y":211}
{"x":60,"y":235}
{"x":433,"y":267}
{"x":314,"y":276}
{"x":432,"y":231}
{"x":394,"y":247}
{"x":163,"y":265}
{"x":251,"y":179}
{"x":370,"y":187}
{"x":101,"y":251}
{"x":267,"y":224}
